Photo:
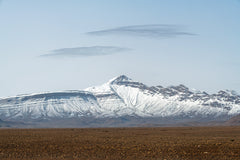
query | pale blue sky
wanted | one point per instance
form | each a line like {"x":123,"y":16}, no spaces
{"x":190,"y":42}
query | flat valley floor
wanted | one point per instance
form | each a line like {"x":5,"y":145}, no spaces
{"x":121,"y":143}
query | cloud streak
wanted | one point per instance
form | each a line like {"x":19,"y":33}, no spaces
{"x":85,"y":51}
{"x":153,"y":31}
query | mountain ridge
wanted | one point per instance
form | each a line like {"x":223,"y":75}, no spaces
{"x":121,"y":97}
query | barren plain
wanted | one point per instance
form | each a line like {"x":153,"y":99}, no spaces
{"x":121,"y":143}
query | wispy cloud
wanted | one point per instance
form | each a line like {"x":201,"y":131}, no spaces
{"x":153,"y":30}
{"x":85,"y":51}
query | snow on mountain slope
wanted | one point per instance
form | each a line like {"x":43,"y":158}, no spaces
{"x":44,"y":105}
{"x":164,"y":102}
{"x":122,"y":96}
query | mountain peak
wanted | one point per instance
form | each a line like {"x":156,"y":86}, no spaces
{"x":121,"y":97}
{"x":105,"y":88}
{"x":121,"y":78}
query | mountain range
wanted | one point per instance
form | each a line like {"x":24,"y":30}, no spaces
{"x":121,"y":102}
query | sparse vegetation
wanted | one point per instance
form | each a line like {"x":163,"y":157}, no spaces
{"x":121,"y":143}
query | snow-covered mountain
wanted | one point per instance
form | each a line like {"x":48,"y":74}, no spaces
{"x":121,"y":97}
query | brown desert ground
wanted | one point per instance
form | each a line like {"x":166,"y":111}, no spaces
{"x":121,"y":143}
